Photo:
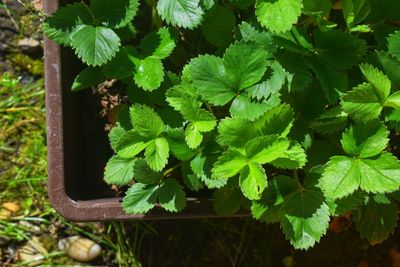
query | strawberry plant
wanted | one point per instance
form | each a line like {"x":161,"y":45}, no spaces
{"x":288,"y":108}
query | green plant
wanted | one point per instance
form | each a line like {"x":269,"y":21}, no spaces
{"x":288,"y":108}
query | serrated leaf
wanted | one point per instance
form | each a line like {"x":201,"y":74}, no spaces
{"x":144,"y":174}
{"x":266,"y":149}
{"x":266,"y":209}
{"x":365,"y":140}
{"x":209,"y":77}
{"x":119,"y":170}
{"x":149,"y":73}
{"x":218,"y":27}
{"x":344,"y":175}
{"x":253,"y":181}
{"x":275,"y":82}
{"x":115,"y":135}
{"x":146,"y":121}
{"x":89,"y":77}
{"x":379,"y":80}
{"x":330,"y":121}
{"x":158,"y":45}
{"x":114,"y":13}
{"x":171,"y":195}
{"x":294,"y":158}
{"x":301,"y":226}
{"x":95,"y":46}
{"x":280,"y":15}
{"x":362,"y":103}
{"x":380,"y":175}
{"x":180,"y":13}
{"x":235,"y":132}
{"x":341,"y":177}
{"x":178,"y":146}
{"x":140,"y":198}
{"x":179,"y":95}
{"x":249,"y":33}
{"x":227,"y":200}
{"x":344,"y":205}
{"x":130,"y":144}
{"x":278,"y":120}
{"x":63,"y":23}
{"x":201,"y":165}
{"x":228,"y":164}
{"x":394,"y":45}
{"x":393,"y":101}
{"x":193,"y":136}
{"x":157,"y":153}
{"x":377,"y":219}
{"x":245,"y":64}
{"x":244,"y":107}
{"x":339,"y":49}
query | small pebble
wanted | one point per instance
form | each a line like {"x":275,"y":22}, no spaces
{"x":79,"y":248}
{"x":14,"y":207}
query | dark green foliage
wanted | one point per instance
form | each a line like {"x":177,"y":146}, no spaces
{"x":281,"y":107}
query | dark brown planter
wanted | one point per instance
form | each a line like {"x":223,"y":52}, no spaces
{"x":78,"y":147}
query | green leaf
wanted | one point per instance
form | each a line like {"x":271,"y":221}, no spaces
{"x":362,"y":103}
{"x":227,"y":200}
{"x":266,"y":149}
{"x":339,"y":49}
{"x":250,"y":33}
{"x":193,"y":136}
{"x":144,"y":174}
{"x":278,"y":120}
{"x":380,"y":175}
{"x":305,"y":218}
{"x":245,"y":64}
{"x":180,"y":13}
{"x":379,"y":80}
{"x":316,"y":7}
{"x":63,"y":23}
{"x":235,"y":131}
{"x":394,"y":44}
{"x":140,"y":198}
{"x":178,"y":146}
{"x":158,"y":45}
{"x":330,"y":121}
{"x":244,"y":107}
{"x":279,"y":15}
{"x":365,"y":140}
{"x":344,"y":175}
{"x":209,"y":77}
{"x":200,"y":118}
{"x":393,"y":101}
{"x":341,"y":177}
{"x":253,"y":181}
{"x":377,"y":219}
{"x":275,"y":82}
{"x":122,"y":65}
{"x":119,"y":171}
{"x":179,"y":95}
{"x":294,"y":158}
{"x":149,"y":73}
{"x":95,"y":45}
{"x":146,"y":121}
{"x":266,"y":209}
{"x":355,"y":11}
{"x":218,"y":27}
{"x":201,"y":165}
{"x":344,"y":205}
{"x":157,"y":153}
{"x":114,"y":13}
{"x":115,"y":135}
{"x":130,"y":144}
{"x":89,"y":77}
{"x":171,"y":195}
{"x":229,"y":164}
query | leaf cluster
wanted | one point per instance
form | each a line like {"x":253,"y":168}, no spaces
{"x":288,"y":108}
